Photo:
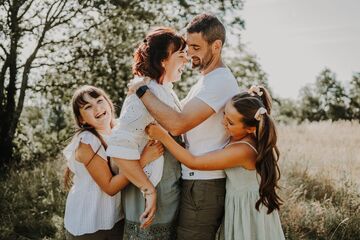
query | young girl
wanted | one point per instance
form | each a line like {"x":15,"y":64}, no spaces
{"x":93,"y":207}
{"x":250,"y":163}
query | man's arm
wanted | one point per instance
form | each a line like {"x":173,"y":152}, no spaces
{"x":177,"y":123}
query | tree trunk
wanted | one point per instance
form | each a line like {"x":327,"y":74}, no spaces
{"x":8,"y":115}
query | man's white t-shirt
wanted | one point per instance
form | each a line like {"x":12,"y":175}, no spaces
{"x":215,"y":89}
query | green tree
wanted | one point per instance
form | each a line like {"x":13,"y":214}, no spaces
{"x":326,"y":99}
{"x":310,"y":106}
{"x":28,"y":28}
{"x":354,"y":96}
{"x":332,"y":95}
{"x":248,"y":71}
{"x":103,"y":56}
{"x":286,"y":110}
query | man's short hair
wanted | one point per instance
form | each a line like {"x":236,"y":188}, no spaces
{"x":210,"y":27}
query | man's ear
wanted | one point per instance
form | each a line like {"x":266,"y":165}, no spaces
{"x":217,"y":45}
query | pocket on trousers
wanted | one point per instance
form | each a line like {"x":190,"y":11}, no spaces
{"x":211,"y":195}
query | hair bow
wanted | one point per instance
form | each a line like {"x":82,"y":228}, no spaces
{"x":255,"y":90}
{"x":260,"y":112}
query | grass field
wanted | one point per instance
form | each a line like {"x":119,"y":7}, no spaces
{"x":320,"y":165}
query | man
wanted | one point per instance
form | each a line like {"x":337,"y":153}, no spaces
{"x":203,"y":192}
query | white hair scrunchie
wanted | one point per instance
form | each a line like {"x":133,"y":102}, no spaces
{"x":260,"y":112}
{"x":255,"y":90}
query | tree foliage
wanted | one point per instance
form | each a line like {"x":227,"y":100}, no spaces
{"x":28,"y":30}
{"x":324,"y":100}
{"x":50,"y":47}
{"x":354,"y":96}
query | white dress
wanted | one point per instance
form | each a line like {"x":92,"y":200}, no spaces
{"x":88,"y":209}
{"x":242,"y":220}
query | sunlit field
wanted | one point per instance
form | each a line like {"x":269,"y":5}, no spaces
{"x":329,"y":149}
{"x":320,"y":165}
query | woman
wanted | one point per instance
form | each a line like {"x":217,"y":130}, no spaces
{"x":160,"y":57}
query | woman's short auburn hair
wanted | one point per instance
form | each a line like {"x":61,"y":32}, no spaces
{"x":156,"y":47}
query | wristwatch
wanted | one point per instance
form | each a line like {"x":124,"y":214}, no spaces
{"x":141,"y":91}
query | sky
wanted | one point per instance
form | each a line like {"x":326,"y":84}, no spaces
{"x":295,"y":39}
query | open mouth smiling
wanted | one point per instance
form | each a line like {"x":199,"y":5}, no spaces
{"x":100,"y":115}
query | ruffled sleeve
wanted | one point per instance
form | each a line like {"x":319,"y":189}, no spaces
{"x":86,"y":138}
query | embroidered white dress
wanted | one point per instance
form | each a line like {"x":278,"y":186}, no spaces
{"x":127,"y":141}
{"x":88,"y":209}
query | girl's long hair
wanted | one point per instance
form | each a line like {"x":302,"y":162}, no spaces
{"x":78,"y":102}
{"x":247,"y":104}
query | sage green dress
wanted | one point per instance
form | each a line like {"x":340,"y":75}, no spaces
{"x":242,"y":221}
{"x":168,"y":199}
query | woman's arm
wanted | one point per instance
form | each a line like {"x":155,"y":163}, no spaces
{"x":99,"y":170}
{"x":232,"y":156}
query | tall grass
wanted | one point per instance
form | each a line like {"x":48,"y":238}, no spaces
{"x":320,"y":164}
{"x":32,"y":202}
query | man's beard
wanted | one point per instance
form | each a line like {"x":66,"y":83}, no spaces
{"x":203,"y":64}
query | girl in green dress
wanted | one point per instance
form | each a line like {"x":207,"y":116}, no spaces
{"x":250,"y":163}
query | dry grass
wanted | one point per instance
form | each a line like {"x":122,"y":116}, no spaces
{"x":330,"y":148}
{"x":320,"y":165}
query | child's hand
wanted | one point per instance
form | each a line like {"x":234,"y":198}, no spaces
{"x":147,"y":217}
{"x":137,"y":82}
{"x":156,"y":132}
{"x":152,"y":151}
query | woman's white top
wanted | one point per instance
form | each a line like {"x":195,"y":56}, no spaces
{"x":128,"y":138}
{"x":88,"y":209}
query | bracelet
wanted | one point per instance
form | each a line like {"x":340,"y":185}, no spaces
{"x":145,"y":192}
{"x":141,"y":91}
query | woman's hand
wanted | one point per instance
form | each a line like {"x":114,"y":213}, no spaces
{"x":148,"y":215}
{"x":135,"y":83}
{"x":156,"y":132}
{"x":152,"y":151}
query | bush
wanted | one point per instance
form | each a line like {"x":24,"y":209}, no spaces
{"x":32,"y":202}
